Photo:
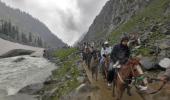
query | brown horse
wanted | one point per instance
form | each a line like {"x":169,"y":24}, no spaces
{"x":131,"y":69}
{"x":88,"y":56}
{"x":94,"y":65}
{"x":106,"y":65}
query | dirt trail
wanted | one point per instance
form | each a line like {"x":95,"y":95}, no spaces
{"x":105,"y":92}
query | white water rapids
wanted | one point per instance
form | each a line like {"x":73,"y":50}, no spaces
{"x":16,"y":75}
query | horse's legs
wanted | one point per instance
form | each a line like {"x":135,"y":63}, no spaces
{"x":114,"y":86}
{"x":96,"y":73}
{"x":120,"y":89}
{"x":92,"y":73}
{"x":114,"y":81}
{"x":105,"y":72}
{"x":128,"y":90}
{"x":142,"y":96}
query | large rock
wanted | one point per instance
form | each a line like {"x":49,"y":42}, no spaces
{"x":165,"y":63}
{"x":164,"y":30}
{"x":147,"y":63}
{"x":167,"y":11}
{"x":83,"y":92}
{"x":164,"y":44}
{"x":16,"y":52}
{"x":32,"y":89}
{"x":19,"y":59}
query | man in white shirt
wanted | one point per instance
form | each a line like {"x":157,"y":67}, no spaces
{"x":105,"y":51}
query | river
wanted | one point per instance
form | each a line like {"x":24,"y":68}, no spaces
{"x":16,"y":75}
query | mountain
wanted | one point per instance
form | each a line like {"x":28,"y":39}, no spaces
{"x":27,"y":25}
{"x":119,"y":16}
{"x":147,"y":20}
{"x":79,"y":40}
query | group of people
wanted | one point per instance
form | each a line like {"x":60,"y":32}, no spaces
{"x":110,"y":59}
{"x":107,"y":60}
{"x":113,"y":58}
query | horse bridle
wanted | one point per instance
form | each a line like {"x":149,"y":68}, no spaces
{"x":133,"y":73}
{"x":121,"y":77}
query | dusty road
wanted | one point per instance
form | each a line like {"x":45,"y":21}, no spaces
{"x":105,"y":93}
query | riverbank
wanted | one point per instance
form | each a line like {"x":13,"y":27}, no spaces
{"x":66,"y":78}
{"x":65,"y":86}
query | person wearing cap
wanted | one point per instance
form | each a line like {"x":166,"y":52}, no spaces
{"x":119,"y":56}
{"x":106,"y":50}
{"x":121,"y":52}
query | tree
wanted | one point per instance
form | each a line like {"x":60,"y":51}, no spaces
{"x":9,"y":27}
{"x":24,"y":38}
{"x":4,"y":28}
{"x":40,"y":42}
{"x":30,"y":37}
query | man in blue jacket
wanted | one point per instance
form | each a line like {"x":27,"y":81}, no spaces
{"x":121,"y":52}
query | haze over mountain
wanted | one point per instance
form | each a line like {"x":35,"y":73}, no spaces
{"x":67,"y":19}
{"x":26,"y":24}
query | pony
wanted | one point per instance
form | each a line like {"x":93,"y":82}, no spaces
{"x":94,"y":64}
{"x":106,"y":65}
{"x":131,"y":69}
{"x":88,"y":56}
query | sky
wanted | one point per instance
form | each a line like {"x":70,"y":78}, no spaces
{"x":67,"y":19}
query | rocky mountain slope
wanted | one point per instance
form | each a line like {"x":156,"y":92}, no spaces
{"x":26,"y":24}
{"x":149,"y":19}
{"x":114,"y":14}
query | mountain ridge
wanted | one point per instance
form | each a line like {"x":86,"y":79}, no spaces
{"x":27,"y":23}
{"x":112,"y":15}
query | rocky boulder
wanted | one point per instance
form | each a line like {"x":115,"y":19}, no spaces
{"x":83,"y":92}
{"x":147,"y":63}
{"x":31,"y":89}
{"x":19,"y":59}
{"x":16,"y":52}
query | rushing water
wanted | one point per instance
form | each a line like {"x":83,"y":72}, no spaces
{"x":16,"y":75}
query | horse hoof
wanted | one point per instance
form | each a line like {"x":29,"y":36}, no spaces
{"x":129,"y":94}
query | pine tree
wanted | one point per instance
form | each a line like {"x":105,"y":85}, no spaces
{"x":24,"y":38}
{"x":40,"y":42}
{"x":30,"y":37}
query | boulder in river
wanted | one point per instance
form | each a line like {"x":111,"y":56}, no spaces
{"x":16,"y":52}
{"x":32,"y":89}
{"x":19,"y":59}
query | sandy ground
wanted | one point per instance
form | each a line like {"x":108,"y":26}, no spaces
{"x":6,"y":46}
{"x":105,"y":92}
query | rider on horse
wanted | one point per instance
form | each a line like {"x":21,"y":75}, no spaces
{"x":119,"y":56}
{"x":121,"y":52}
{"x":105,"y":52}
{"x":106,"y":49}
